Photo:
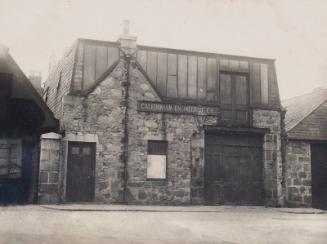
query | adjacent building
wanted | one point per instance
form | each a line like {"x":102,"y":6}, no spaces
{"x":149,"y":125}
{"x":24,"y":116}
{"x":306,"y":149}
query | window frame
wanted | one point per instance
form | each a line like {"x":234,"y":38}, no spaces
{"x":233,"y":106}
{"x":166,"y":161}
{"x":18,"y":143}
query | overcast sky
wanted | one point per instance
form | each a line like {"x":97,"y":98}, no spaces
{"x":294,"y":32}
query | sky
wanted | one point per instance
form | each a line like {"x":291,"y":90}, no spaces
{"x":293,"y":32}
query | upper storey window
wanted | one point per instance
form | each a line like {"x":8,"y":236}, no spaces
{"x":234,"y":98}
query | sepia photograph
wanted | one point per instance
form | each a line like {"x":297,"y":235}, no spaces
{"x":169,"y":122}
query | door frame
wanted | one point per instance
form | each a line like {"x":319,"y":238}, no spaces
{"x":240,"y":131}
{"x":313,"y":143}
{"x":70,"y":137}
{"x":80,"y":144}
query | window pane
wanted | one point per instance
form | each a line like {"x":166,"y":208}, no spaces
{"x":156,"y":167}
{"x":75,"y":150}
{"x":241,"y":117}
{"x":86,"y":150}
{"x":264,"y":83}
{"x":225,"y":88}
{"x":226,"y":115}
{"x":157,"y":147}
{"x":10,"y":158}
{"x":241,"y":90}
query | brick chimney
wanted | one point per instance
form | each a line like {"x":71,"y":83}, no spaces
{"x":127,"y":42}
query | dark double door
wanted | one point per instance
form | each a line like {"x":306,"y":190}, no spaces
{"x":319,"y":175}
{"x":80,"y":172}
{"x":233,"y":169}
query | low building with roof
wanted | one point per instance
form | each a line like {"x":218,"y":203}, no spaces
{"x":306,"y":149}
{"x":24,"y":116}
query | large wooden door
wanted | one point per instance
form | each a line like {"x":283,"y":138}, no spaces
{"x":233,"y":169}
{"x":80,"y":172}
{"x":319,"y":175}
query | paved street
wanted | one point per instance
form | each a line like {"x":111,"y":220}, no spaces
{"x":136,"y":224}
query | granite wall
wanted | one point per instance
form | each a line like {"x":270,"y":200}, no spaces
{"x":298,"y":174}
{"x":272,"y":158}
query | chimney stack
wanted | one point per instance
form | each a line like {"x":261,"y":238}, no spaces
{"x":127,"y":42}
{"x":36,"y":79}
{"x":3,"y":51}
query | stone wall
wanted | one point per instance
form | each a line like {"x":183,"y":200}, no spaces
{"x":110,"y":114}
{"x":101,"y":113}
{"x":143,"y":126}
{"x":272,"y":168}
{"x":298,"y":174}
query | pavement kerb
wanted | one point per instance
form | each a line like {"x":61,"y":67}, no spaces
{"x":220,"y":209}
{"x":129,"y":210}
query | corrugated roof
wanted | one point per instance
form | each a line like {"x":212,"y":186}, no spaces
{"x":298,"y":108}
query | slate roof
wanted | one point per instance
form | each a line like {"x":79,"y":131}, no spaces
{"x":300,"y":107}
{"x":23,"y":89}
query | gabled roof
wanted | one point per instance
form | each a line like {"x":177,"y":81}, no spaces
{"x":300,"y":107}
{"x":23,"y":89}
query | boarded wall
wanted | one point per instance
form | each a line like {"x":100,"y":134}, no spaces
{"x":49,"y":169}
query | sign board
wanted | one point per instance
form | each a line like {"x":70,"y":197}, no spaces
{"x":158,"y":107}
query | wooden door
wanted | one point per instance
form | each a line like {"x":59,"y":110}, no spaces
{"x":80,"y":172}
{"x":233,"y":169}
{"x":319,"y":175}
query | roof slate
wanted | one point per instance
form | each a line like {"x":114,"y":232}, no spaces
{"x":300,"y":107}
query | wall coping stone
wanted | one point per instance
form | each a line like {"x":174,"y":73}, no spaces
{"x":51,"y":135}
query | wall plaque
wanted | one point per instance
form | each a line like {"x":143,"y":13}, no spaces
{"x":158,"y":107}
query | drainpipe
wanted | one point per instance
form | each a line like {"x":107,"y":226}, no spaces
{"x":283,"y":153}
{"x":128,"y":50}
{"x":125,"y":104}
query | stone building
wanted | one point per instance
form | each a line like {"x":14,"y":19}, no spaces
{"x":149,"y":125}
{"x":306,"y":149}
{"x":24,"y":116}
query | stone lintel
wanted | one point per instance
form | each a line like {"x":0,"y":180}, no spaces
{"x":82,"y":137}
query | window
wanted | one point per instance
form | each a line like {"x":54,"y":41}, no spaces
{"x":86,"y":150}
{"x":157,"y":160}
{"x":234,"y":96}
{"x":10,"y":158}
{"x":225,"y":88}
{"x":75,"y":150}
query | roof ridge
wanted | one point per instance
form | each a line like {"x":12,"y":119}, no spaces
{"x":305,"y":94}
{"x":181,"y":49}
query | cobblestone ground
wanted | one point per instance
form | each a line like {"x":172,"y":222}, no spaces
{"x":128,"y":224}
